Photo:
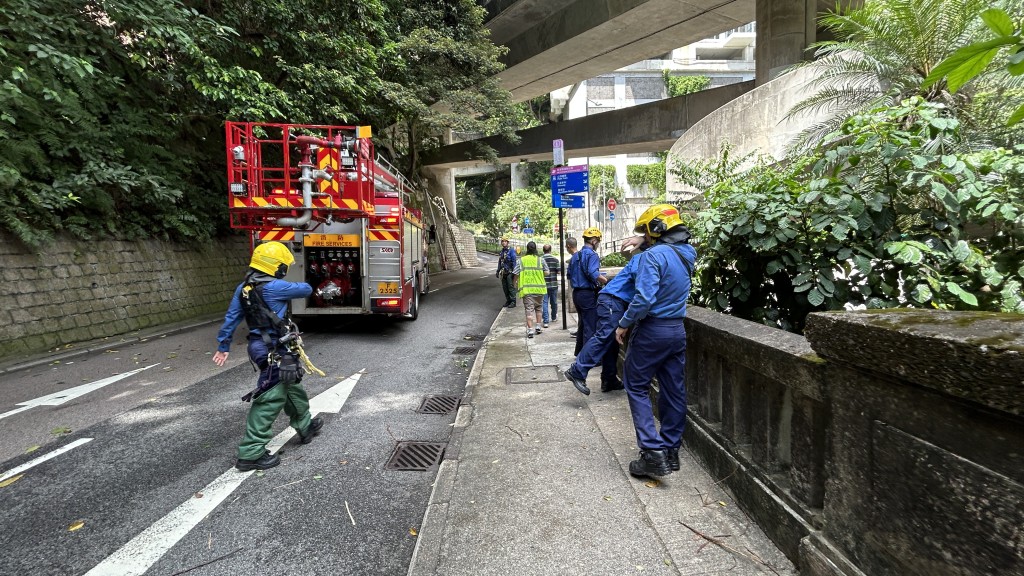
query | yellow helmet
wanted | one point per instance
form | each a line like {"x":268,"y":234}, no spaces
{"x":592,"y":232}
{"x":657,"y":220}
{"x":273,"y":258}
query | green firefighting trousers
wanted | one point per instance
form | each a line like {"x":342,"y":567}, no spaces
{"x":264,"y":410}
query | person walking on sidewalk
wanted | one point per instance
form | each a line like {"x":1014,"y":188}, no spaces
{"x":570,"y":247}
{"x":531,"y":270}
{"x":507,"y":262}
{"x":657,"y":339}
{"x":602,"y":348}
{"x":585,"y":275}
{"x":272,"y":349}
{"x":550,"y":312}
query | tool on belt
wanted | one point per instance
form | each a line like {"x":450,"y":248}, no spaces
{"x":260,"y":317}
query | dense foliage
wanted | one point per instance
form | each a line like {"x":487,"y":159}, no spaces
{"x":648,"y":179}
{"x":682,"y":85}
{"x":884,"y":214}
{"x":969,"y":61}
{"x":533,"y":203}
{"x":111,"y":114}
{"x":883,"y":52}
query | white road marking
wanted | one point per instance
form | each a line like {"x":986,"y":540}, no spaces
{"x":58,"y":398}
{"x":15,"y":471}
{"x":139,"y":554}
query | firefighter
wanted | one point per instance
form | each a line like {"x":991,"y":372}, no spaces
{"x":657,"y":339}
{"x":602,"y":348}
{"x":585,"y":275}
{"x":262,"y":300}
{"x":507,"y":262}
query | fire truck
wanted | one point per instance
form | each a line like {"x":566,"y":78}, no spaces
{"x":342,"y":210}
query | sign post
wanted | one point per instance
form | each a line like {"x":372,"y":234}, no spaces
{"x":568,"y":184}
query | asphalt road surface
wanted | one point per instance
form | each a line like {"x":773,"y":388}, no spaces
{"x":121,"y":462}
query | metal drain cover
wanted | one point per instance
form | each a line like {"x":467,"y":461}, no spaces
{"x":416,"y":456}
{"x":464,"y":350}
{"x":439,"y":404}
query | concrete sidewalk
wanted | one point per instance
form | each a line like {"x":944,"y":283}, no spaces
{"x":535,"y":481}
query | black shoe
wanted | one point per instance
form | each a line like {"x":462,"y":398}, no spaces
{"x":651,"y":464}
{"x":572,"y":333}
{"x":264,"y":462}
{"x":579,"y":383}
{"x":673,"y":459}
{"x":312,"y":430}
{"x":611,"y":386}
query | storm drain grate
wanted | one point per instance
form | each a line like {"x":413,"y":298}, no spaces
{"x":464,"y":350}
{"x":416,"y":456}
{"x":439,"y":404}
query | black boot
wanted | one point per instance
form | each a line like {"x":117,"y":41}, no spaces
{"x":673,"y":459}
{"x":611,"y":385}
{"x":577,"y":381}
{"x":264,"y":462}
{"x":312,"y":430}
{"x":651,"y":464}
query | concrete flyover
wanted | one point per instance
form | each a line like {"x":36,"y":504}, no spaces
{"x":555,"y":43}
{"x":652,"y":127}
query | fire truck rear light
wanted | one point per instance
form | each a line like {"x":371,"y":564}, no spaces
{"x":388,"y":220}
{"x":238,"y":189}
{"x":392,"y":303}
{"x":348,"y":161}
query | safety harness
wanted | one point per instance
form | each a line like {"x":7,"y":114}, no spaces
{"x":259,"y":317}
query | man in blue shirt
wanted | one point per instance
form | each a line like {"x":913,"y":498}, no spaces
{"x":506,"y":267}
{"x":277,"y":386}
{"x":657,"y":340}
{"x":602,"y":348}
{"x":586,"y":279}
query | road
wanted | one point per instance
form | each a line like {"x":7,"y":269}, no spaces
{"x":120,"y":462}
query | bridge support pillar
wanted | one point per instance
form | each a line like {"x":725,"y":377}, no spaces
{"x":785,"y":28}
{"x":441,"y":184}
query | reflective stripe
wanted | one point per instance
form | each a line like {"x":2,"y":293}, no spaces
{"x":531,"y":276}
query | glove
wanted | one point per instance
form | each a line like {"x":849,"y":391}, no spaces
{"x":498,"y":273}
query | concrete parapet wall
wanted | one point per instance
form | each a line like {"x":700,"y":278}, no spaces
{"x":883,"y":443}
{"x":73,"y":291}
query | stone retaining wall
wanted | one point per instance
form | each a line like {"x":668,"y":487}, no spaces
{"x":885,"y":442}
{"x":73,"y":291}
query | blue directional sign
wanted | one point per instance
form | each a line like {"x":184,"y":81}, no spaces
{"x":567,"y":200}
{"x":611,"y":215}
{"x":528,"y":231}
{"x":568,"y":180}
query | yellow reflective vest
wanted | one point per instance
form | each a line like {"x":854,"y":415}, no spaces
{"x":531,"y":276}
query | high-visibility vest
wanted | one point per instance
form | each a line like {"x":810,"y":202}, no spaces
{"x":531,"y":276}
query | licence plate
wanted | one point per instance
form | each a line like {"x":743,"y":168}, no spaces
{"x":387,"y":287}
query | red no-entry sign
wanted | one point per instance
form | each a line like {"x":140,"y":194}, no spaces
{"x":611,"y":204}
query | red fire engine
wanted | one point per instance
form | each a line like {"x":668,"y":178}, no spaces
{"x":322,"y":191}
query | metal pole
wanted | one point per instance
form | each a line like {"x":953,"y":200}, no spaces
{"x":561,"y":259}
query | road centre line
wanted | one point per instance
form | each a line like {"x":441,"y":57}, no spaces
{"x":19,"y":469}
{"x":141,"y":552}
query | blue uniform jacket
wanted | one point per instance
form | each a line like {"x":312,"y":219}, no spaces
{"x":623,"y":286}
{"x":507,"y":260}
{"x":585,"y":268}
{"x":277,"y":293}
{"x":662,"y":284}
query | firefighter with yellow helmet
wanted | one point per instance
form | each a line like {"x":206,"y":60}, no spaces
{"x":657,"y":339}
{"x":584,"y":273}
{"x":274,"y":347}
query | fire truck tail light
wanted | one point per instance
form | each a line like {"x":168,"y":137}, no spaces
{"x":390,"y":303}
{"x":388,"y":220}
{"x":238,"y":189}
{"x":348,"y":161}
